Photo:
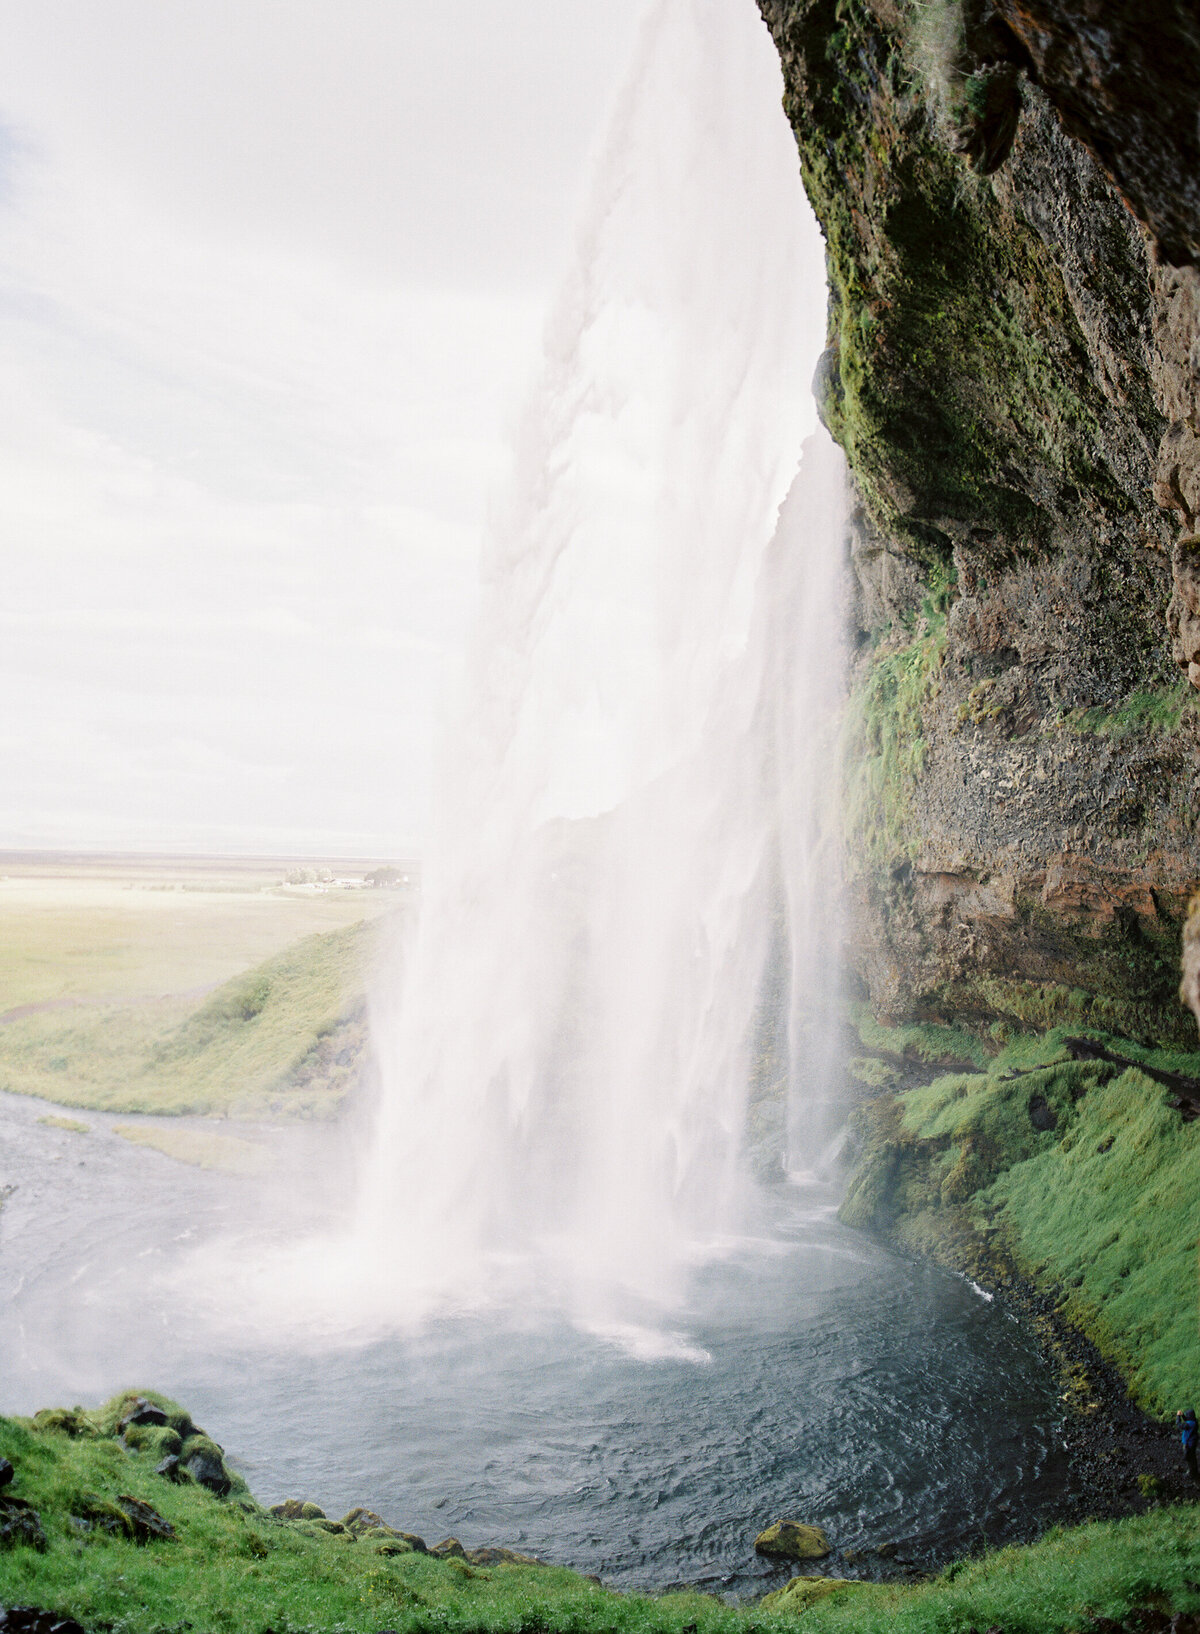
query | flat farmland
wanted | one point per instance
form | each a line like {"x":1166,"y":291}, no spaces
{"x":203,"y":985}
{"x":118,"y":930}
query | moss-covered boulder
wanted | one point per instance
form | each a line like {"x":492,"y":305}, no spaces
{"x":157,"y":1441}
{"x":803,"y":1592}
{"x":792,"y":1540}
{"x":72,"y":1421}
{"x":204,"y":1461}
{"x":295,"y":1509}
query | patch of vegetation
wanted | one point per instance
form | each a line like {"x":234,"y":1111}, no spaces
{"x":1160,"y":710}
{"x":1141,"y":1000}
{"x":884,"y":743}
{"x":924,"y":1041}
{"x":283,"y":1038}
{"x":960,"y":387}
{"x":1079,"y":1170}
{"x":75,"y":1126}
{"x":234,"y":1566}
{"x":1061,"y":1582}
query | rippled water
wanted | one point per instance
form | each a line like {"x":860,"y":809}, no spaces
{"x":885,"y":1400}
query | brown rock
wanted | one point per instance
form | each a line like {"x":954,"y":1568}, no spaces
{"x":1189,"y":990}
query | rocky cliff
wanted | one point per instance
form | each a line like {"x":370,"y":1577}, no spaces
{"x":1010,"y":202}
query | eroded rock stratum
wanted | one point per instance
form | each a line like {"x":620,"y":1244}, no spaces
{"x":1013,"y":370}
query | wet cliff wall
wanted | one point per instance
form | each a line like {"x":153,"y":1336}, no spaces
{"x":1011,"y":205}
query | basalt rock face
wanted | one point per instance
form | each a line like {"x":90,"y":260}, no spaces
{"x":1013,"y":371}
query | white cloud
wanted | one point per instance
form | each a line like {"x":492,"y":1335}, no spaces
{"x":271,"y":279}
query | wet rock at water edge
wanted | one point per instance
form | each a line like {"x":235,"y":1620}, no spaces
{"x":490,"y":1555}
{"x":20,"y":1526}
{"x":792,"y":1540}
{"x":449,"y":1549}
{"x":33,"y":1620}
{"x":365,"y":1523}
{"x":295,"y":1509}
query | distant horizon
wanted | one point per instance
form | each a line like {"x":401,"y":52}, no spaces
{"x":89,"y":853}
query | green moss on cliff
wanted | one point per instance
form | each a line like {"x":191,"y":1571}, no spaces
{"x":1079,"y":1170}
{"x":958,"y":380}
{"x":885,"y":745}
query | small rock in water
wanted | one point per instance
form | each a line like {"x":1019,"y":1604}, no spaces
{"x":792,"y":1540}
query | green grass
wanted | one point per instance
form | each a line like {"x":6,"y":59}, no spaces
{"x":1101,"y":1209}
{"x":925,"y":1040}
{"x":1159,"y":710}
{"x":884,"y":739}
{"x":281,"y":1038}
{"x":235,"y":1568}
{"x":1060,"y":1582}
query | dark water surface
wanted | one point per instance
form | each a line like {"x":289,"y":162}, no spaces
{"x":884,"y":1400}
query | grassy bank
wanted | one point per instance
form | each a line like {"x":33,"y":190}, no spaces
{"x":285,"y":1037}
{"x":233,"y":1566}
{"x":1076,"y":1173}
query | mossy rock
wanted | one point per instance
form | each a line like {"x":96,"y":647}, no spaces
{"x":449,"y":1549}
{"x":204,"y":1461}
{"x":109,"y":1418}
{"x":803,"y":1592}
{"x":792,"y":1540}
{"x":157,"y":1441}
{"x":72,"y":1421}
{"x":384,"y":1545}
{"x":296,"y":1509}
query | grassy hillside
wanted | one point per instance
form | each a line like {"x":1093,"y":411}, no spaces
{"x":96,"y":1549}
{"x":284,"y":1037}
{"x":1077,"y":1173}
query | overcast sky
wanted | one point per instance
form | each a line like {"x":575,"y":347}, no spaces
{"x":272,"y":277}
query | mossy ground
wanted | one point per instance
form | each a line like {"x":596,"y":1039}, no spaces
{"x":1099,"y":1209}
{"x":281,"y":1038}
{"x":235,"y":1568}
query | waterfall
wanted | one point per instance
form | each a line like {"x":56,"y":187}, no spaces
{"x":565,"y":1042}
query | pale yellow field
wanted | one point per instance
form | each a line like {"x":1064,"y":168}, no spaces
{"x":121,"y":930}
